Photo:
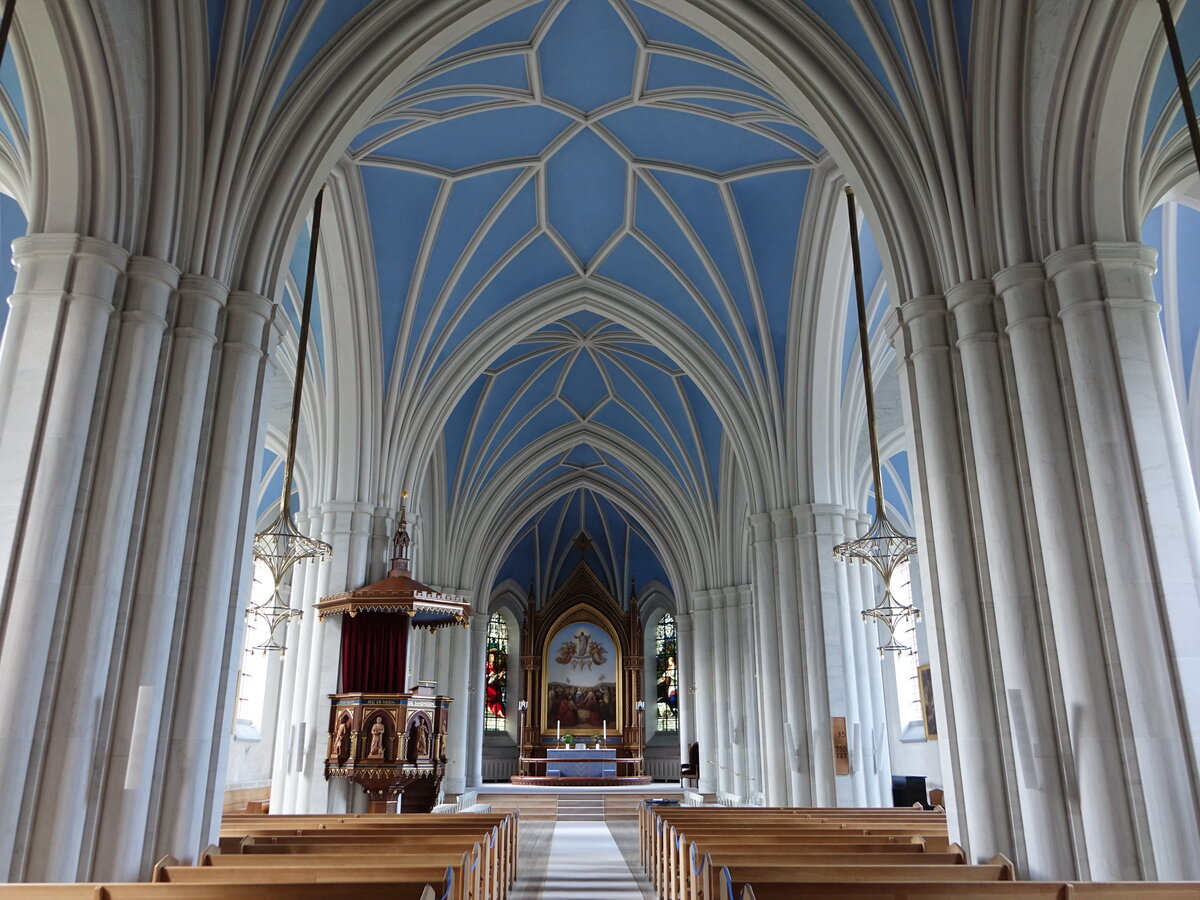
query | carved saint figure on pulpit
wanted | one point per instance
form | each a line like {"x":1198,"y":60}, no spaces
{"x":422,"y":739}
{"x":377,"y":731}
{"x":338,"y":749}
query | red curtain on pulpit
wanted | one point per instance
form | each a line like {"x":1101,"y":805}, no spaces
{"x":374,"y":653}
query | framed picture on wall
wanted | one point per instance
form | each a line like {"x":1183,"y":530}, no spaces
{"x":928,"y":712}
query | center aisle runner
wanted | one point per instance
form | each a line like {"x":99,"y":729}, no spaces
{"x":585,"y":862}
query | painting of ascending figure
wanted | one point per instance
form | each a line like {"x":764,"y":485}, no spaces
{"x":581,"y":679}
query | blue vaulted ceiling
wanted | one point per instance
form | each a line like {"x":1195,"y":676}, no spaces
{"x":586,"y":139}
{"x":598,"y":144}
{"x":545,"y":551}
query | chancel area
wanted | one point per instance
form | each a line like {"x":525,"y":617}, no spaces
{"x":493,"y":431}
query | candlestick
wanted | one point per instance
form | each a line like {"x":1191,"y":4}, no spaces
{"x":606,"y":730}
{"x":558,"y":729}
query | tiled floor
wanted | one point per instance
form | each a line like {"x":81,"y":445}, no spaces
{"x":576,"y":861}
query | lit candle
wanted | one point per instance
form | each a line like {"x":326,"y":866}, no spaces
{"x":606,"y":729}
{"x":558,"y":729}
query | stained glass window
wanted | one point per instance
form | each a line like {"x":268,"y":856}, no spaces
{"x":495,"y":674}
{"x":668,"y":674}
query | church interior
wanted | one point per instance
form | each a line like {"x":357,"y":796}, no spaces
{"x":484,"y":411}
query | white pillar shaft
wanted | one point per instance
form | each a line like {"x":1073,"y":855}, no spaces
{"x":52,"y":352}
{"x":1105,"y":831}
{"x":478,"y":666}
{"x":777,"y":754}
{"x":285,"y":783}
{"x":198,"y":715}
{"x":820,"y":531}
{"x":862,"y":580}
{"x":153,"y":629}
{"x":454,"y":646}
{"x":684,"y":661}
{"x":1038,"y":799}
{"x":703,"y":704}
{"x":798,"y":645}
{"x":1149,"y":561}
{"x":965,"y":694}
{"x":718,"y":657}
{"x":753,"y":759}
{"x":738,"y":696}
{"x":95,"y":604}
{"x":346,"y":527}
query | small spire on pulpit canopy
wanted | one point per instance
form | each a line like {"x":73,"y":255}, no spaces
{"x":401,"y":540}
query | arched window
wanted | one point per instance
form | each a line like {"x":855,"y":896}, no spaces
{"x":665,"y":653}
{"x":495,"y":674}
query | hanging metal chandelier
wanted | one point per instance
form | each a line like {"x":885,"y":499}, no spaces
{"x":883,"y":546}
{"x":281,"y":545}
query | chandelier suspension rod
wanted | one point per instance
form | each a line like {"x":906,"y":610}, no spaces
{"x":865,"y":350}
{"x":6,"y":24}
{"x":302,"y":352}
{"x":1181,"y":77}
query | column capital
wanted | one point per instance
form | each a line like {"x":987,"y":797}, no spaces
{"x":924,"y":325}
{"x":150,"y":267}
{"x":972,"y":304}
{"x":784,"y":521}
{"x":701,"y":601}
{"x":1118,"y":273}
{"x":200,"y":301}
{"x":247,"y":318}
{"x":76,"y":263}
{"x":1022,"y":291}
{"x":761,"y":524}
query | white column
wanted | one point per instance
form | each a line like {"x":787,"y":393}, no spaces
{"x":738,"y":697}
{"x":199,"y":721}
{"x":753,"y":756}
{"x":964,"y":691}
{"x":52,"y":351}
{"x":83,"y":652}
{"x":128,"y":817}
{"x":1026,"y":709}
{"x":819,"y":530}
{"x":703,"y":703}
{"x":862,"y":581}
{"x":684,"y":662}
{"x":1145,"y":520}
{"x":1105,"y":844}
{"x":289,"y":755}
{"x":717,"y":655}
{"x":453,"y":646}
{"x":478,"y":664}
{"x":777,"y":755}
{"x":347,"y":528}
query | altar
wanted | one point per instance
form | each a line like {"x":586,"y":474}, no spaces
{"x":597,"y":763}
{"x":581,"y":677}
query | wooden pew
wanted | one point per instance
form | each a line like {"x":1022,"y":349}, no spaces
{"x":451,"y":878}
{"x":652,"y":819}
{"x":474,"y":885}
{"x":414,"y":832}
{"x":992,"y":890}
{"x":703,"y":881}
{"x":150,"y":891}
{"x":657,"y":842}
{"x":677,"y":874}
{"x":500,"y":843}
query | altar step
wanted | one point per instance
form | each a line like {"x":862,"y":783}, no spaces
{"x":581,"y":808}
{"x":544,"y":805}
